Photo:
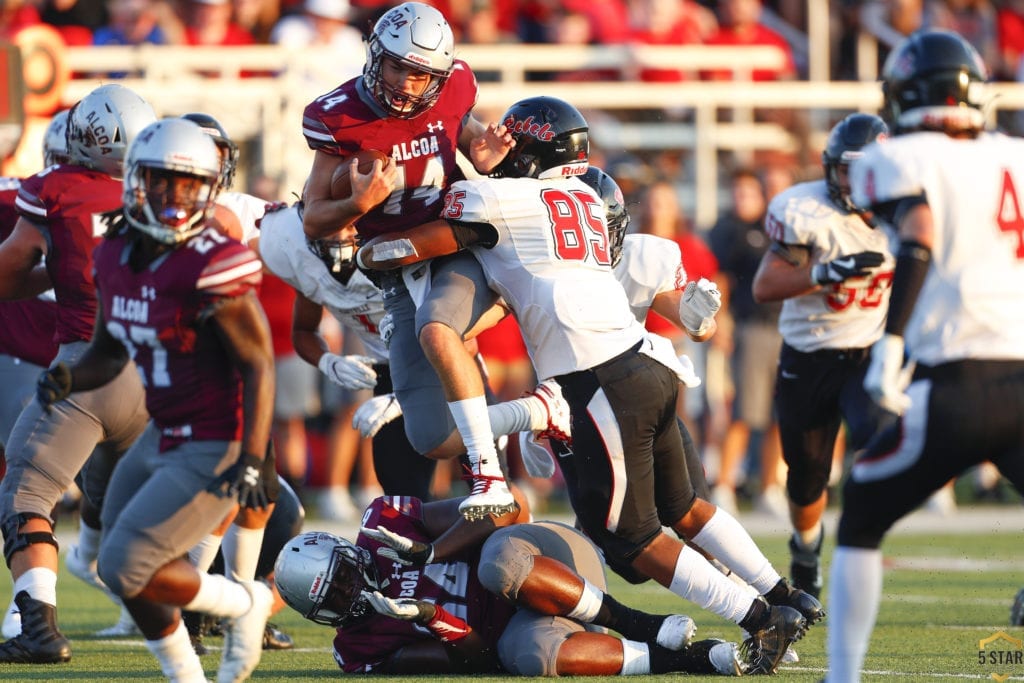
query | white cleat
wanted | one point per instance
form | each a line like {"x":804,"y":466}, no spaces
{"x":490,"y":496}
{"x":791,"y":657}
{"x":243,"y":636}
{"x":676,"y":632}
{"x":12,"y":622}
{"x":559,"y":418}
{"x":125,"y":626}
{"x":85,"y":570}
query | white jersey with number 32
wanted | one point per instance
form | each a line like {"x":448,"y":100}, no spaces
{"x":552,"y":265}
{"x":971,"y":304}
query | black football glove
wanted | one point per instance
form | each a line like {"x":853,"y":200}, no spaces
{"x":244,"y":480}
{"x":53,"y":385}
{"x":845,"y":267}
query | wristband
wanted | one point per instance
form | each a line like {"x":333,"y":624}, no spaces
{"x":447,"y":627}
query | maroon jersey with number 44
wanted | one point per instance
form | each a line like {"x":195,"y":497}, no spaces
{"x":343,"y":122}
{"x":161,"y":314}
{"x":365,"y":645}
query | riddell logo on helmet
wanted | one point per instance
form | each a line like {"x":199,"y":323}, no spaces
{"x":527,"y":126}
{"x":417,"y":59}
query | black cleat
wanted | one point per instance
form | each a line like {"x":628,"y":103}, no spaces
{"x":1017,"y":610}
{"x":194,"y":626}
{"x":276,"y":639}
{"x":805,"y":567}
{"x":802,"y":601}
{"x":765,"y":648}
{"x":39,"y":642}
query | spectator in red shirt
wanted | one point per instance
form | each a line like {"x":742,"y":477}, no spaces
{"x":210,"y":22}
{"x":739,"y":25}
{"x":668,"y":23}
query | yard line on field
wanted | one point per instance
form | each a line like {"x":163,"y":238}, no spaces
{"x":124,"y":642}
{"x":951,"y":564}
{"x":917,"y":598}
{"x":901,"y":675}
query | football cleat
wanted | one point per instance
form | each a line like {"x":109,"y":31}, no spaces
{"x":802,"y":601}
{"x":39,"y":641}
{"x":1017,"y":611}
{"x":276,"y":639}
{"x":125,"y":626}
{"x":559,"y":417}
{"x":711,"y":656}
{"x":764,"y":649}
{"x":676,"y":632}
{"x":488,"y":496}
{"x":243,"y":636}
{"x":805,"y":566}
{"x":85,"y":570}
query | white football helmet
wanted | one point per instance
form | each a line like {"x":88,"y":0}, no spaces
{"x":419,"y":37}
{"x":103,"y":124}
{"x":55,"y":140}
{"x":171,"y":180}
{"x":322,"y":576}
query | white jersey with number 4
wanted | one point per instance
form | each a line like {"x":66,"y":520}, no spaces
{"x":971,"y":304}
{"x":844,"y":315}
{"x":552,"y":265}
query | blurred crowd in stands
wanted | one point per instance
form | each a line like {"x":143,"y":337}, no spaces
{"x":731,"y":413}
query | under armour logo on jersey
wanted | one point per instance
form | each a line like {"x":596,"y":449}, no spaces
{"x":435,"y":127}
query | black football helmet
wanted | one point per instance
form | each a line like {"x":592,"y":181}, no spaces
{"x":616,"y":214}
{"x":552,"y":140}
{"x":337,"y":252}
{"x":927,"y":83}
{"x":845,"y":142}
{"x":228,"y":149}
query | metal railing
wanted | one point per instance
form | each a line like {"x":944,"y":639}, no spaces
{"x":258,"y":93}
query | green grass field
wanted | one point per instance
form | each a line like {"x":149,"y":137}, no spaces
{"x":943,"y":593}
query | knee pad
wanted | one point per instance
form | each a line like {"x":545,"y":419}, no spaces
{"x":503,"y":567}
{"x":15,"y":541}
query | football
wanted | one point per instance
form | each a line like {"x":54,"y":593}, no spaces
{"x":341,"y":185}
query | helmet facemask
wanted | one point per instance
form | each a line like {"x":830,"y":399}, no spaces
{"x":338,"y":599}
{"x":415,"y":37}
{"x":338,"y":254}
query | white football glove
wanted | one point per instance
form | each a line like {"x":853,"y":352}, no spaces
{"x":701,"y":301}
{"x":350,"y":372}
{"x":885,"y":379}
{"x":406,"y":609}
{"x":402,"y":550}
{"x":376,"y":412}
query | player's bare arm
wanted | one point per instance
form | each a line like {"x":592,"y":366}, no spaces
{"x":242,"y":327}
{"x":484,"y":146}
{"x":393,"y":250}
{"x":21,"y":275}
{"x":324,"y":215}
{"x":783,"y":274}
{"x":306,"y":338}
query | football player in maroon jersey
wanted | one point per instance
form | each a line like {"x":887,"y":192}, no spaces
{"x":414,"y":102}
{"x":531,"y":601}
{"x":60,"y":218}
{"x":178,"y":296}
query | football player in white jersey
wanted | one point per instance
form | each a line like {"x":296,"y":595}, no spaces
{"x":324,"y":274}
{"x":541,"y":237}
{"x":953,"y":192}
{"x":832,"y":270}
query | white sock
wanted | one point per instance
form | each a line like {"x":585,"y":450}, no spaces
{"x":178,"y":661}
{"x":589,"y":604}
{"x":241,"y":552}
{"x":220,"y":596}
{"x":40,"y":583}
{"x":697,"y":581}
{"x":636,"y":658}
{"x":855,"y":591}
{"x":472,"y":422}
{"x":519,"y":415}
{"x":726,"y":539}
{"x":808,"y":538}
{"x":88,"y":542}
{"x":203,"y":553}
